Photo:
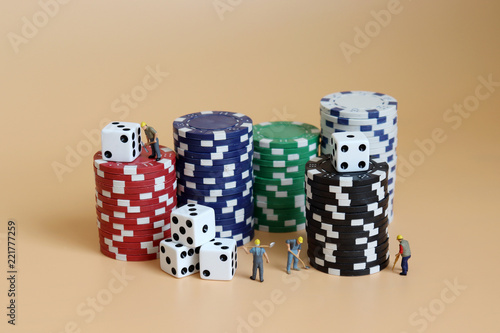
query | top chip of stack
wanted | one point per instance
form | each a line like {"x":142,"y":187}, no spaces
{"x":133,"y":204}
{"x":372,"y":113}
{"x":214,"y":168}
{"x":282,"y":149}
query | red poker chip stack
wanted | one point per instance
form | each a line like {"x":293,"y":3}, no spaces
{"x":133,"y":204}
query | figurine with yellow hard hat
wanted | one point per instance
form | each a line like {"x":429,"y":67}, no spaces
{"x":293,"y":246}
{"x":405,"y":253}
{"x":153,"y":141}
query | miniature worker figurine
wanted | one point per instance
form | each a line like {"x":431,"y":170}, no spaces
{"x":405,"y":253}
{"x":293,"y":246}
{"x":152,"y":140}
{"x":257,"y":253}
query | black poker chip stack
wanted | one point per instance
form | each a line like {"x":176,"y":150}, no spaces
{"x":347,"y":218}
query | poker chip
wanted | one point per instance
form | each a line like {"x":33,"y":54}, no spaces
{"x":121,"y":226}
{"x":321,"y":170}
{"x":196,"y":147}
{"x":247,"y":186}
{"x":332,"y":206}
{"x":344,"y":228}
{"x":135,"y":177}
{"x":133,"y":204}
{"x":213,"y":156}
{"x":213,"y":180}
{"x":281,"y":151}
{"x":128,"y":251}
{"x":212,"y":125}
{"x":346,"y":217}
{"x":281,"y":183}
{"x":239,"y":142}
{"x":320,"y":250}
{"x":214,"y":168}
{"x":129,"y":257}
{"x":134,"y":209}
{"x":374,"y":114}
{"x":141,"y":165}
{"x":182,"y":164}
{"x":128,"y":184}
{"x":135,"y":239}
{"x":284,"y":134}
{"x":286,"y":156}
{"x":115,"y":193}
{"x":268,"y":228}
{"x":165,"y":199}
{"x":129,"y":245}
{"x":131,"y":233}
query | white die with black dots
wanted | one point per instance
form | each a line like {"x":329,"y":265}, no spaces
{"x":351,"y":151}
{"x":178,"y":260}
{"x":218,"y":259}
{"x":121,"y":141}
{"x":192,"y":224}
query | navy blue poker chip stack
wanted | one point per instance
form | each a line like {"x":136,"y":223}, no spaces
{"x":374,"y":114}
{"x":214,"y":168}
{"x":347,"y":218}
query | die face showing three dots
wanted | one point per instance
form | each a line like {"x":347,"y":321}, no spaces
{"x":121,"y":141}
{"x":351,"y":151}
{"x":218,"y":259}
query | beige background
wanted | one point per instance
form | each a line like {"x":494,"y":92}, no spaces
{"x":272,"y":60}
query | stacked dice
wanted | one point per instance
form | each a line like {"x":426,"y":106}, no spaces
{"x":134,"y":194}
{"x":282,"y":149}
{"x":193,"y":247}
{"x":214,"y":168}
{"x":347,"y":215}
{"x":372,"y":113}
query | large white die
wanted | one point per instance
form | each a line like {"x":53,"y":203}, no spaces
{"x":178,"y":260}
{"x":192,"y":224}
{"x":351,"y":151}
{"x":121,"y":141}
{"x":218,"y":259}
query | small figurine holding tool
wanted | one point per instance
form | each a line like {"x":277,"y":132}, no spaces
{"x":258,"y":251}
{"x":405,"y":253}
{"x":294,"y":246}
{"x":153,"y":140}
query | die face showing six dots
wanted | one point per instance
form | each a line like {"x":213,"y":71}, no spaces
{"x":350,"y":152}
{"x":178,"y":260}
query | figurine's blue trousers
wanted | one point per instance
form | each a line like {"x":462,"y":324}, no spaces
{"x":291,"y":258}
{"x":404,"y":264}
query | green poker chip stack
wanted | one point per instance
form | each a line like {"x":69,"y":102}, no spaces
{"x":281,"y":151}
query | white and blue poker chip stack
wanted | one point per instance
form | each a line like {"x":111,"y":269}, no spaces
{"x":214,"y":168}
{"x":372,"y":113}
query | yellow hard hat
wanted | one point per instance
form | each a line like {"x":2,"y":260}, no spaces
{"x":257,"y":242}
{"x":143,"y":124}
{"x":300,"y":239}
{"x":400,"y":237}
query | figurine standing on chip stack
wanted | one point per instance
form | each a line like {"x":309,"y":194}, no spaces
{"x":153,"y":140}
{"x":257,"y":251}
{"x":293,"y":246}
{"x":405,"y":253}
